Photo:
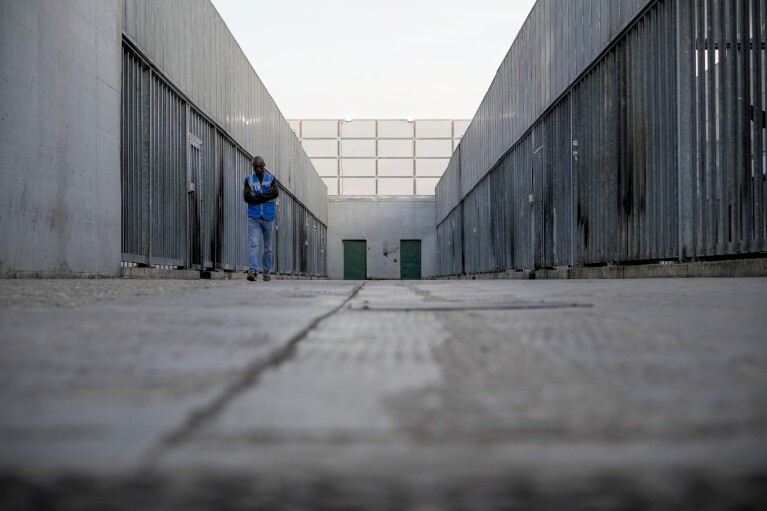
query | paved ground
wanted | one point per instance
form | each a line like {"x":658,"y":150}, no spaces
{"x":138,"y":394}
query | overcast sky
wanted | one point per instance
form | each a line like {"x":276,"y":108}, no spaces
{"x":380,"y":59}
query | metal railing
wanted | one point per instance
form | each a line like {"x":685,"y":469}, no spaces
{"x":182,"y":179}
{"x":654,"y":151}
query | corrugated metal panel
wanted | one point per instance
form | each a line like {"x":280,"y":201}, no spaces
{"x":450,"y":243}
{"x":531,"y":81}
{"x":656,"y":153}
{"x":190,"y":44}
{"x":182,"y":182}
{"x":448,"y":190}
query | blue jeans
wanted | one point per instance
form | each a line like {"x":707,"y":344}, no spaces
{"x":260,"y":229}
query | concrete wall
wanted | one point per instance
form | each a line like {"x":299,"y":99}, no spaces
{"x":60,"y":136}
{"x":383,"y":222}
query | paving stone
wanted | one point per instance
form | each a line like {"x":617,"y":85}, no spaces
{"x":651,"y":395}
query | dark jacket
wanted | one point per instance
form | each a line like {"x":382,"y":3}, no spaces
{"x":251,"y":197}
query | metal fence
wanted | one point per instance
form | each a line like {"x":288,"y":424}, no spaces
{"x":722,"y":103}
{"x":182,"y":179}
{"x":192,"y":48}
{"x":654,"y":151}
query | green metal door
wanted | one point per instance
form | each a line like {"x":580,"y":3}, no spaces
{"x":355,"y":260}
{"x":410,"y":264}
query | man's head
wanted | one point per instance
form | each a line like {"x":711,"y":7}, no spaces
{"x":258,"y":165}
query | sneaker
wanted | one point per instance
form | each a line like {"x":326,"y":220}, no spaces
{"x":251,"y":275}
{"x":267,"y":277}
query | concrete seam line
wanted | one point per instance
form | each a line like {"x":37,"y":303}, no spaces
{"x":249,"y":377}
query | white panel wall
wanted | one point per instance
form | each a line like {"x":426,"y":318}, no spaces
{"x":383,"y":222}
{"x":60,"y":136}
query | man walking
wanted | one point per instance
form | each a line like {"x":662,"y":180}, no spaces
{"x":260,"y":192}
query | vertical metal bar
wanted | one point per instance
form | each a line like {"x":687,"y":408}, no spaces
{"x":593,"y":158}
{"x":719,"y":138}
{"x":162,"y":170}
{"x":645,"y":209}
{"x":149,"y":181}
{"x":129,"y":150}
{"x":661,"y":132}
{"x":757,"y":124}
{"x":573,"y":197}
{"x":141,"y":120}
{"x":533,"y":224}
{"x":155,"y":185}
{"x":711,"y":135}
{"x":635,"y":145}
{"x":685,"y":84}
{"x":462,"y":264}
{"x":622,"y":167}
{"x":602,"y":177}
{"x":728,"y":54}
{"x":628,"y":136}
{"x":187,"y":159}
{"x":762,"y":36}
{"x":745,"y":135}
{"x":167,"y":173}
{"x":651,"y":148}
{"x":701,"y":96}
{"x":170,"y":179}
{"x":162,"y":161}
{"x":180,"y":189}
{"x":155,"y":227}
{"x":124,"y":150}
{"x":671,"y":148}
{"x":739,"y":129}
{"x":624,"y":101}
{"x":136,"y":157}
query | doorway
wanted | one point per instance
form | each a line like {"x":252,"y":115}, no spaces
{"x":194,"y":208}
{"x":410,"y":259}
{"x":355,"y":259}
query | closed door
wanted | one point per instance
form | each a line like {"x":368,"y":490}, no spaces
{"x":355,"y":260}
{"x":410,"y":261}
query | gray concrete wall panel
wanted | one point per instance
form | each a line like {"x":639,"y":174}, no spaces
{"x":60,"y":136}
{"x":189,"y":42}
{"x":383,"y":222}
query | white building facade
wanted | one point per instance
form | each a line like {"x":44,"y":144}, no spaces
{"x":383,"y":157}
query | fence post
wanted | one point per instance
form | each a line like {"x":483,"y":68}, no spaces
{"x":685,"y":62}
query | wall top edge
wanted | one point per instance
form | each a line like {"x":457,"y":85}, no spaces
{"x":334,"y":119}
{"x":372,"y":198}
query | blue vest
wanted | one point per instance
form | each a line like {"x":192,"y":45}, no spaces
{"x":267,"y":209}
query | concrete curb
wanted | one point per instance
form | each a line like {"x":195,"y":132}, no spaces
{"x":149,"y":273}
{"x":13,"y":275}
{"x":703,"y":269}
{"x":160,"y":273}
